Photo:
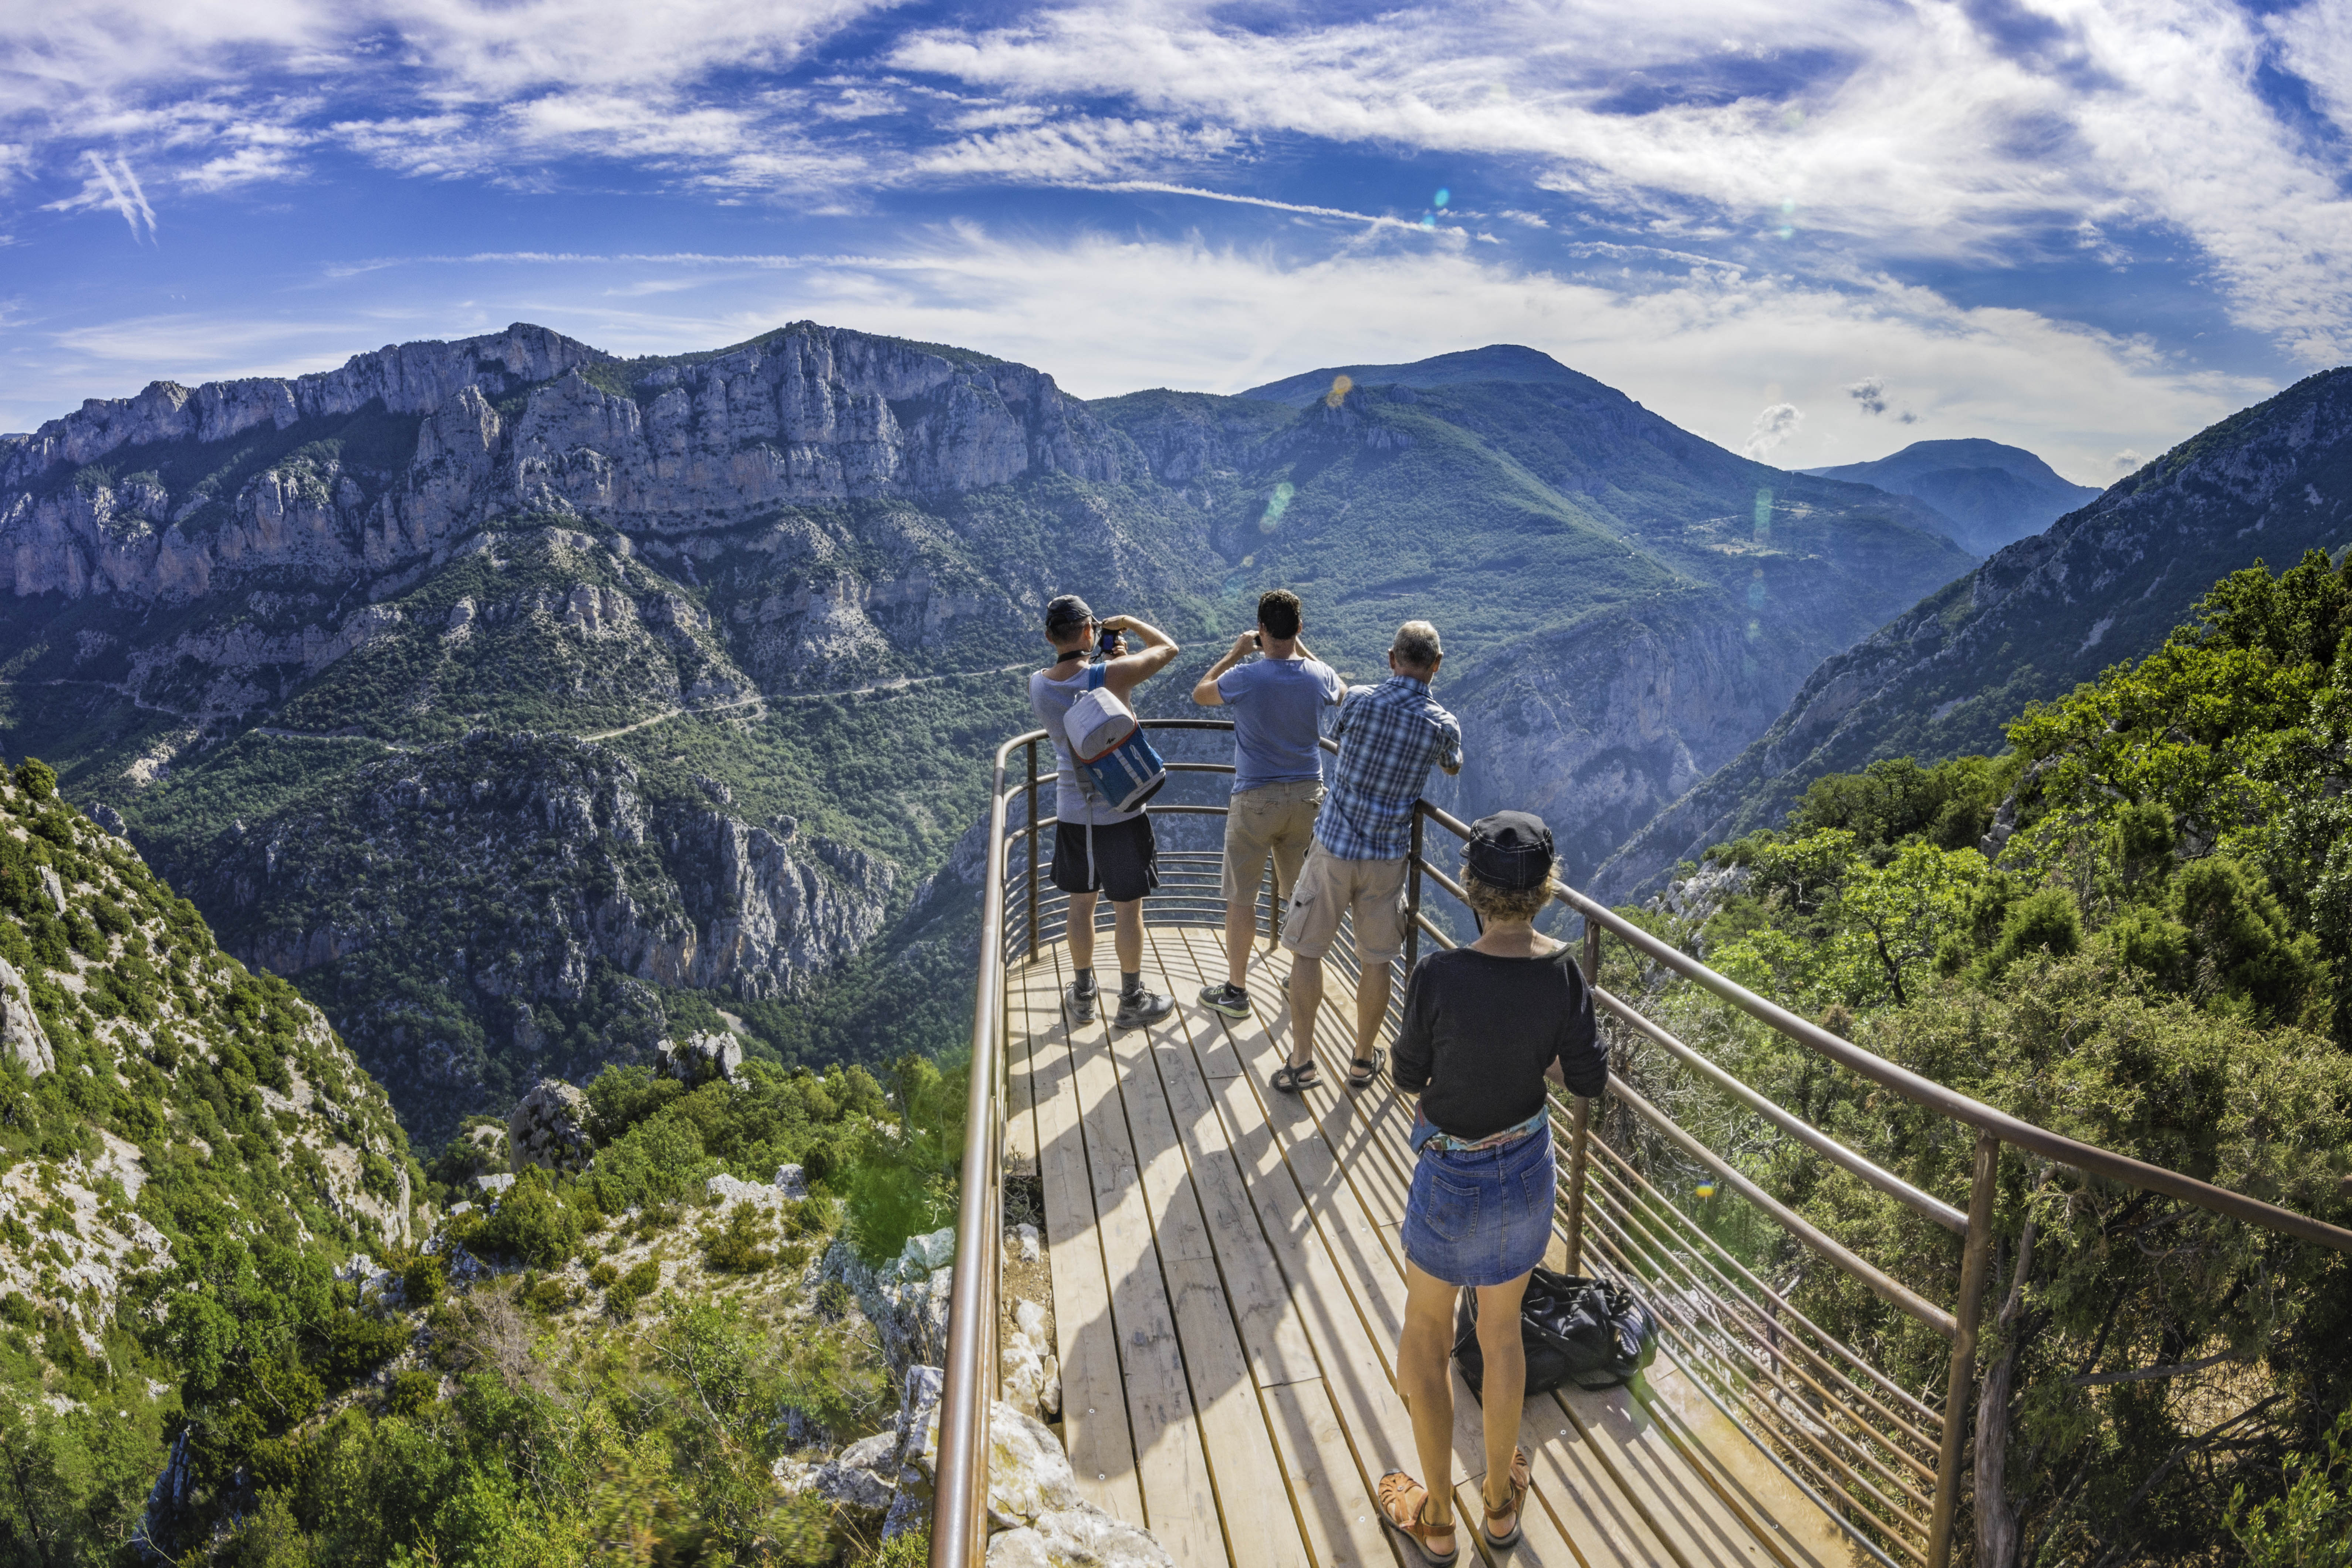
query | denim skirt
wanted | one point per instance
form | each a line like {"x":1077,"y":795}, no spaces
{"x":1483,"y":1217}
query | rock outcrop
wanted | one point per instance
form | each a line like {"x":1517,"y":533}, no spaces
{"x":549,"y":1128}
{"x":21,"y":1034}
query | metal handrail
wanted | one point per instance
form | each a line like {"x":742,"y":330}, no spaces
{"x":959,"y":1537}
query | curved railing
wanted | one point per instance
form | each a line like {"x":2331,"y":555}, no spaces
{"x":1876,"y":1458}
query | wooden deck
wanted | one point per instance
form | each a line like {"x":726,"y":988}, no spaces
{"x":1228,"y":1287}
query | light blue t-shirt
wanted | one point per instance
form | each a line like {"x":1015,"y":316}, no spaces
{"x":1277,"y":707}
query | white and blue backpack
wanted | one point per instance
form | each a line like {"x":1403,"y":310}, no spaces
{"x":1110,"y":748}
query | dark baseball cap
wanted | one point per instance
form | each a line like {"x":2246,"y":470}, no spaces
{"x":1065,"y":614}
{"x":1509,"y":849}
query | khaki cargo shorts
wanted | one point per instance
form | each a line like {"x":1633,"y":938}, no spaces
{"x":1329,"y":887}
{"x":1276,"y":820}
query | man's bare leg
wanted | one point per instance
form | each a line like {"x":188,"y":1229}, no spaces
{"x":1081,"y":928}
{"x":1241,"y":933}
{"x":1372,"y":1004}
{"x":1306,"y":998}
{"x":1126,"y":934}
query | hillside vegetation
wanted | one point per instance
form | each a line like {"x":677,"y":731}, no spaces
{"x":187,"y":1156}
{"x":2134,"y":927}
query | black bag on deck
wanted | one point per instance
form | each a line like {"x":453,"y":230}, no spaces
{"x":1590,"y":1333}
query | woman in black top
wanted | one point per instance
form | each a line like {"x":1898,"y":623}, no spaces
{"x":1484,"y":1027}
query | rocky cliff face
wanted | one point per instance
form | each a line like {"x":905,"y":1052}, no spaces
{"x":524,"y":422}
{"x":535,"y":879}
{"x":2102,"y":586}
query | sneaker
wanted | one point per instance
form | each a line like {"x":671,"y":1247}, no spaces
{"x":1143,"y":1008}
{"x":1082,"y":1003}
{"x":1228,"y":999}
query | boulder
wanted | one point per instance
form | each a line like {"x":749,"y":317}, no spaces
{"x":1028,"y":1371}
{"x":906,"y":1299}
{"x":923,"y":1254}
{"x":54,"y":888}
{"x":21,"y":1035}
{"x":791,"y":1182}
{"x":727,"y":1191}
{"x":699,"y":1058}
{"x":1083,"y":1537}
{"x":860,"y":1481}
{"x":1025,"y":1243}
{"x":917,"y":1434}
{"x":550,"y":1128}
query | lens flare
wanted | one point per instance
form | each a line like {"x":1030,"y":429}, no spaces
{"x":1764,"y":517}
{"x":1443,"y":196}
{"x":1429,"y":220}
{"x":1707,"y":1189}
{"x":1340,"y":386}
{"x":1276,"y":504}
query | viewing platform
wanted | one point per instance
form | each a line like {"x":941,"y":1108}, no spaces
{"x":1228,"y":1287}
{"x":1228,"y":1279}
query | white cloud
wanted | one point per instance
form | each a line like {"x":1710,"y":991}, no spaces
{"x":1928,"y":137}
{"x":1773,"y":426}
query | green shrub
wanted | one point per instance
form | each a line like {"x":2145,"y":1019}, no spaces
{"x":602,"y":1275}
{"x":36,"y":779}
{"x":621,"y":1298}
{"x":533,"y":1224}
{"x":734,"y":1246}
{"x":411,"y":1390}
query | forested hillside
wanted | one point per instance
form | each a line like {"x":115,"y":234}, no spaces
{"x":2106,"y":583}
{"x":239,"y":1323}
{"x":2134,"y":927}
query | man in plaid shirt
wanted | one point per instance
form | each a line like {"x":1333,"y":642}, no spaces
{"x":1389,"y":736}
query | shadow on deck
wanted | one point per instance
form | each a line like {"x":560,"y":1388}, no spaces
{"x":1228,"y":1287}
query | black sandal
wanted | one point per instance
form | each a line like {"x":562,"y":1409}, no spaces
{"x":1296,"y":1080}
{"x":1361,"y":1072}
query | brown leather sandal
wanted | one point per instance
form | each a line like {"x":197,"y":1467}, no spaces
{"x":1521,"y":1478}
{"x":1403,"y":1502}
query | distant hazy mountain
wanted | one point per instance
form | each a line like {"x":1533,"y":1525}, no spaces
{"x":1992,"y":494}
{"x":1495,"y":361}
{"x":520,"y":702}
{"x":2105,"y":586}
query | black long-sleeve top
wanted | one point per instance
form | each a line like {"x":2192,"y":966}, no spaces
{"x":1480,"y":1031}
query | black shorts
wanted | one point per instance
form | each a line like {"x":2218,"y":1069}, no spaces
{"x":1125,"y":864}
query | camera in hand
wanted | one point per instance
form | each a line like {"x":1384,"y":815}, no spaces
{"x":1108,"y":644}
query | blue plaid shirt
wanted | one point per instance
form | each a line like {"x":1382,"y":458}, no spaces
{"x":1389,"y":736}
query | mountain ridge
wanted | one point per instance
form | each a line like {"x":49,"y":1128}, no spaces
{"x":518,"y":727}
{"x":2106,"y":583}
{"x":1994,"y":494}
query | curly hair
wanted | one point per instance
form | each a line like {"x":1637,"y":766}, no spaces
{"x":1492,"y":903}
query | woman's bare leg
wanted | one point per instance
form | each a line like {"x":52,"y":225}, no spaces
{"x":1504,"y":1388}
{"x":1427,"y":1384}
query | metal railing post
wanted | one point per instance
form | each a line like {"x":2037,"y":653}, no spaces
{"x":1974,"y":1257}
{"x":1579,"y":1120}
{"x":1412,"y":896}
{"x":1033,"y":851}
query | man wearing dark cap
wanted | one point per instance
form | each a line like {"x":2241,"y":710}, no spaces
{"x":1098,"y":851}
{"x":1390,"y":736}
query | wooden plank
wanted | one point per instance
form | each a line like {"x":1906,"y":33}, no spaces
{"x":1272,"y":1335}
{"x":1696,"y":1526}
{"x":1094,"y":1397}
{"x":1791,"y":1524}
{"x":1361,"y":1267}
{"x":1179,"y":1500}
{"x":1237,"y":1448}
{"x":1327,"y":1492}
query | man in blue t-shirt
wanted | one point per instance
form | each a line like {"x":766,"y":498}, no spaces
{"x":1278,"y":699}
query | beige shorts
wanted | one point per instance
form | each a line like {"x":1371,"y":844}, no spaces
{"x":1328,"y":888}
{"x":1277,"y":819}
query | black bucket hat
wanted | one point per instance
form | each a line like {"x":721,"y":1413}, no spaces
{"x":1065,"y":614}
{"x":1511,"y":849}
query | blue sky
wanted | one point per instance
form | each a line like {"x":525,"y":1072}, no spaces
{"x":1814,"y":231}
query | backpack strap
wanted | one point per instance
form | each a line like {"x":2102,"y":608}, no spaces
{"x":1094,"y":676}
